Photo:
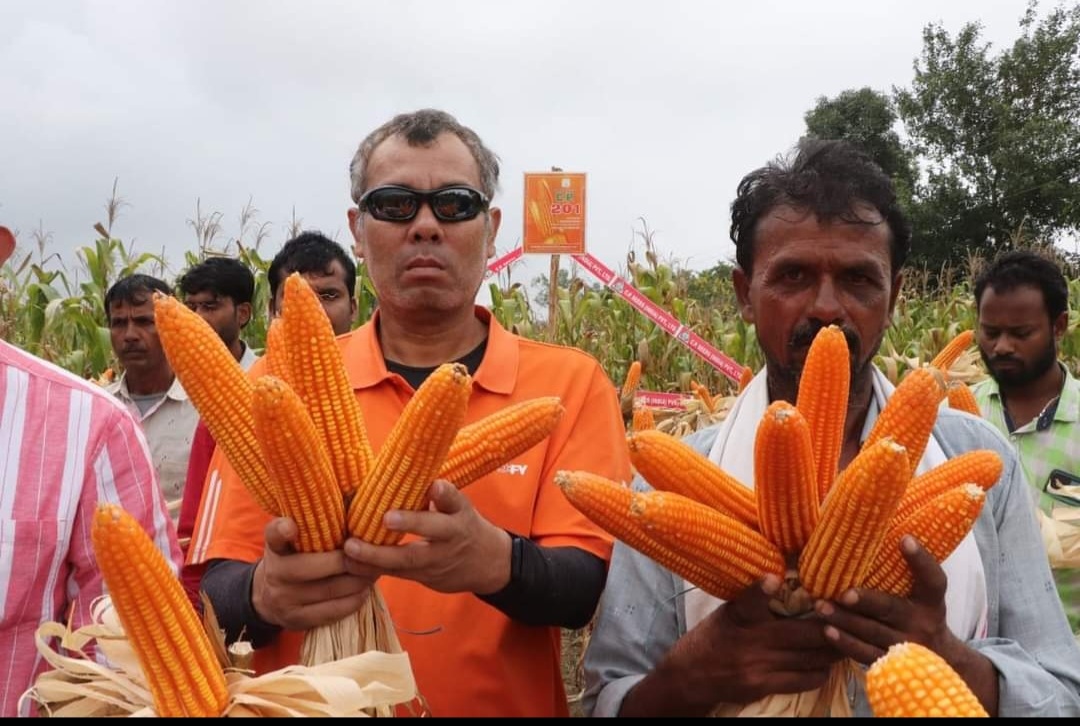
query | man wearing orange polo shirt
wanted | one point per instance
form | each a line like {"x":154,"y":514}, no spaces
{"x":494,"y":571}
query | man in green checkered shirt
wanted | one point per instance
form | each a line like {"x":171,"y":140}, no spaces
{"x":1022,"y":304}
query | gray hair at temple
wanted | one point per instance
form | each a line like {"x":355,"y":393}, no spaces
{"x":421,"y":128}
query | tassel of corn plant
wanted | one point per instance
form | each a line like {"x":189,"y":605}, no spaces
{"x":784,"y":482}
{"x":483,"y":446}
{"x":299,"y":466}
{"x":607,"y":504}
{"x":413,"y":454}
{"x":910,"y":412}
{"x":670,"y":464}
{"x":911,"y":680}
{"x":823,"y":401}
{"x":961,"y":398}
{"x":939,"y":525}
{"x":981,"y":467}
{"x":182,"y":671}
{"x":854,"y":519}
{"x":952,"y":351}
{"x":725,"y":547}
{"x":219,"y":389}
{"x":319,"y":377}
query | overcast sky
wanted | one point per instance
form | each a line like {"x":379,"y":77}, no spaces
{"x":664,"y":104}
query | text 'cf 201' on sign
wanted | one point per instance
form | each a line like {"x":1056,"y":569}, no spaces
{"x":554,"y":213}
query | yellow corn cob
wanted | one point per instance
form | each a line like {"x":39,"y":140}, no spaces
{"x":632,"y":380}
{"x":745,"y":378}
{"x":727,"y":548}
{"x":939,"y":525}
{"x":854,"y":519}
{"x":183,"y":673}
{"x":823,"y":400}
{"x":952,"y":351}
{"x":981,"y":467}
{"x":277,"y":362}
{"x":703,"y":393}
{"x":784,"y":483}
{"x":671,"y":464}
{"x":607,"y":504}
{"x":413,"y":454}
{"x":909,"y":414}
{"x":320,"y":379}
{"x":911,"y":680}
{"x":961,"y":398}
{"x":643,"y":418}
{"x":485,"y":445}
{"x":299,"y":466}
{"x":219,"y":389}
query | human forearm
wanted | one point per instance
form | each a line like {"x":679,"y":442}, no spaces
{"x":553,"y":586}
{"x":663,"y":692}
{"x":977,"y":670}
{"x":228,"y":585}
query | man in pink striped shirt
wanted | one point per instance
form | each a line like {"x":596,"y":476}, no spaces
{"x":65,"y":445}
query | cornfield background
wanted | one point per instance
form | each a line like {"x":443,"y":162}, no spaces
{"x":53,"y":308}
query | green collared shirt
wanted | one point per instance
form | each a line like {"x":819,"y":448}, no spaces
{"x":1049,"y":442}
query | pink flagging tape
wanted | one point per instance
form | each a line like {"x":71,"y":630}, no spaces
{"x":496,"y":266}
{"x":661,"y":317}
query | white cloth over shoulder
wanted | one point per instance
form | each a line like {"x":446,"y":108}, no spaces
{"x":965,"y":599}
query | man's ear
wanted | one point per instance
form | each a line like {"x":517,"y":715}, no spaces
{"x":1061,"y":326}
{"x":357,"y":232}
{"x":742,"y":294}
{"x":494,"y":220}
{"x":7,"y":244}
{"x":243,"y":313}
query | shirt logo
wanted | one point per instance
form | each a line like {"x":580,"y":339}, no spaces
{"x":514,"y":469}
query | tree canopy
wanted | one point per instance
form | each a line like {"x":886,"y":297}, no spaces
{"x":991,"y":151}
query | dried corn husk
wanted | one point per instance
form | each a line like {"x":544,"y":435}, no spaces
{"x":371,"y":683}
{"x":369,"y":629}
{"x":831,"y":700}
{"x":694,"y":416}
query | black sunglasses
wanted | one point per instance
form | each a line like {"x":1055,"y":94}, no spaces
{"x":400,"y":204}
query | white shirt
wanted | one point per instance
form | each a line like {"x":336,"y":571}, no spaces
{"x":169,"y":426}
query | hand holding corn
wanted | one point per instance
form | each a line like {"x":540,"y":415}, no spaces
{"x":298,"y":590}
{"x":455,"y":550}
{"x":738,"y":654}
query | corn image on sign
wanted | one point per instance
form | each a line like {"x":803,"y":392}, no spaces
{"x":554,"y":213}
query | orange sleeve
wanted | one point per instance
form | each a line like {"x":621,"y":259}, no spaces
{"x":591,"y":437}
{"x":236,"y":530}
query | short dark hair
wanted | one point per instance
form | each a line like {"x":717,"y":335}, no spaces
{"x":1026,"y":268}
{"x":827,"y":177}
{"x":310,"y":251}
{"x":134,"y":290}
{"x":421,"y":128}
{"x":223,"y":276}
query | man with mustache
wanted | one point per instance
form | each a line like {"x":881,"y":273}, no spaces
{"x":1022,"y":301}
{"x":488,"y":575}
{"x":821,"y":240}
{"x":147,"y":385}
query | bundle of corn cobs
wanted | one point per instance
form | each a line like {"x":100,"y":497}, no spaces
{"x":297,"y":439}
{"x":820,"y":531}
{"x":155,"y":658}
